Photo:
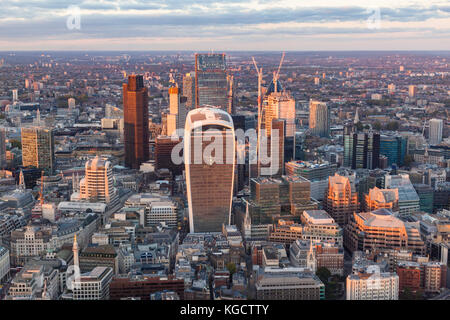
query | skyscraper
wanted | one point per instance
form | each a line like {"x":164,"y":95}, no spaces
{"x":135,"y":109}
{"x":177,"y":111}
{"x":209,"y":178}
{"x":189,"y":90}
{"x":319,"y":118}
{"x":436,"y":126}
{"x":2,"y":148}
{"x":97,"y":184}
{"x":361,"y":149}
{"x":273,"y":164}
{"x":412,"y":91}
{"x":38,"y":149}
{"x":394,"y":148}
{"x":280,"y":105}
{"x":211,"y":81}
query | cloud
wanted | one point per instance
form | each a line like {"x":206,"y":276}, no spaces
{"x":254,"y":19}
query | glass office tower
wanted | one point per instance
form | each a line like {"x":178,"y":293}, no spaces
{"x":209,"y":157}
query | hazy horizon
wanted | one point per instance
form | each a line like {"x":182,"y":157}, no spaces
{"x":224,"y":25}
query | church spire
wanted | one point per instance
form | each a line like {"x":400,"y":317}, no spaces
{"x":356,"y":120}
{"x":21,"y":181}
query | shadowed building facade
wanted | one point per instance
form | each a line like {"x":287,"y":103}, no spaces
{"x":209,"y":153}
{"x":135,"y":110}
{"x":319,"y":118}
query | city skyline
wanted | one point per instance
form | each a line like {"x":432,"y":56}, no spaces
{"x":224,"y":150}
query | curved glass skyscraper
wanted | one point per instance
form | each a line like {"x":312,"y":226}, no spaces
{"x":209,"y":156}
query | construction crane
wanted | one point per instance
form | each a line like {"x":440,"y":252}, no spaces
{"x":260,"y":74}
{"x":276,"y":75}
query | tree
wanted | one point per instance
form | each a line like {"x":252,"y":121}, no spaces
{"x":231,"y":267}
{"x":15,"y":144}
{"x":408,"y":160}
{"x":377,"y":125}
{"x":392,"y":125}
{"x":359,"y":126}
{"x":324,"y":274}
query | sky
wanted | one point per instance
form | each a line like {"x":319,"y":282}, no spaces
{"x":225,"y":25}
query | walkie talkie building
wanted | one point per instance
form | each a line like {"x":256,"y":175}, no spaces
{"x":209,"y":157}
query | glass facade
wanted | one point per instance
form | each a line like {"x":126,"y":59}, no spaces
{"x":394,"y":148}
{"x":211,"y":80}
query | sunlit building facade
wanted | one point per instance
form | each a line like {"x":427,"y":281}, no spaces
{"x":381,"y":198}
{"x":211,"y":82}
{"x":341,"y":199}
{"x":209,"y":157}
{"x":38,"y":149}
{"x":381,"y":230}
{"x":136,"y":132}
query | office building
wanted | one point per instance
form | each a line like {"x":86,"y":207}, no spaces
{"x":311,"y":171}
{"x":341,"y":199}
{"x":163,"y":154}
{"x":316,"y":227}
{"x":408,"y":199}
{"x":4,"y":264}
{"x":209,"y":178}
{"x":280,"y":105}
{"x":316,"y":172}
{"x":381,"y":198}
{"x":289,"y":284}
{"x":394,"y":148}
{"x":38,"y":148}
{"x":189,"y":90}
{"x":157,"y":212}
{"x":28,"y":243}
{"x":412,"y":91}
{"x":426,"y":196}
{"x":381,"y":230}
{"x":177,"y":111}
{"x":98,"y":183}
{"x":275,"y":198}
{"x":372,"y":286}
{"x":271,"y":160}
{"x":142,"y":287}
{"x":99,"y":256}
{"x":136,"y":132}
{"x":361,"y":149}
{"x":436,"y":128}
{"x":3,"y":161}
{"x":211,"y":81}
{"x":319,"y":118}
{"x":441,"y":197}
{"x":93,"y":285}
